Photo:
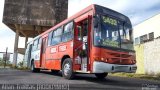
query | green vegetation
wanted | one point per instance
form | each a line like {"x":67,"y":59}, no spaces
{"x":2,"y":62}
{"x":21,"y":66}
{"x":141,"y":76}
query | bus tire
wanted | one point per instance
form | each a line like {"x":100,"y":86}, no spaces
{"x":101,"y":75}
{"x":33,"y":69}
{"x":67,"y":69}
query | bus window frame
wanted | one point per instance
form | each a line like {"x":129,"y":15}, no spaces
{"x":70,"y":32}
{"x":99,"y":26}
{"x":56,"y":36}
{"x":49,"y":38}
{"x":50,"y":34}
{"x":38,"y":45}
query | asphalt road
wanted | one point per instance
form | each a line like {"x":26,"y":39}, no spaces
{"x":16,"y":79}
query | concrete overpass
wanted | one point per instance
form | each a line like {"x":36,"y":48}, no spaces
{"x":29,"y":18}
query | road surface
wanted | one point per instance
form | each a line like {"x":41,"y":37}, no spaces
{"x":11,"y":79}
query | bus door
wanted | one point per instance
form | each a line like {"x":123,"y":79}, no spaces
{"x":82,"y":44}
{"x":43,"y":54}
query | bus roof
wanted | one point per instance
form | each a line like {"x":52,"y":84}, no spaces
{"x":70,"y":18}
{"x":92,"y":6}
{"x":30,"y":42}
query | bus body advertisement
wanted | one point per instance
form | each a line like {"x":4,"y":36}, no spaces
{"x":95,"y":40}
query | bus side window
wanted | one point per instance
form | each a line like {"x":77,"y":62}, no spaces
{"x":35,"y":43}
{"x":56,"y":37}
{"x":39,"y":43}
{"x":67,"y":32}
{"x":49,"y":39}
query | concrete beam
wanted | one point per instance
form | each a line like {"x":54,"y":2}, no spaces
{"x":18,"y":27}
{"x":21,"y":51}
{"x":21,"y":31}
{"x":38,"y":29}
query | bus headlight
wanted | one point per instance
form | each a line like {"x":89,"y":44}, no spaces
{"x":97,"y":58}
{"x":100,"y":59}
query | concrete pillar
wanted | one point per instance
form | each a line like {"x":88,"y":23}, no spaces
{"x":24,"y":61}
{"x":26,"y":40}
{"x":16,"y":48}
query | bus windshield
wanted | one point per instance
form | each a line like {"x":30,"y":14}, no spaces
{"x":112,"y":32}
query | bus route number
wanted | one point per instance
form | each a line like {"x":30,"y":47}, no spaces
{"x":109,"y":20}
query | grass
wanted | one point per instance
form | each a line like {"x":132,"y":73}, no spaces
{"x":141,"y":76}
{"x":19,"y":67}
{"x":23,"y":68}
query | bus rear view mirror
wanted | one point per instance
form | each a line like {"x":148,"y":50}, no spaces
{"x":95,"y":22}
{"x":79,"y":28}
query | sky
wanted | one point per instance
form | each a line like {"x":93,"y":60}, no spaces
{"x":136,"y":10}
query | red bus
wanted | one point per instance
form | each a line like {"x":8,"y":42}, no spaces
{"x":96,"y":40}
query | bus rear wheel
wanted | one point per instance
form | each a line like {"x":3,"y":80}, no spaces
{"x":33,"y":69}
{"x":101,"y":75}
{"x":67,"y":69}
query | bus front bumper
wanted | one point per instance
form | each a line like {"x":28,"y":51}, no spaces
{"x":101,"y":67}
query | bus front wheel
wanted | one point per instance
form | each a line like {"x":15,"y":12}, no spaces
{"x":33,"y":69}
{"x":101,"y":75}
{"x":67,"y":69}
